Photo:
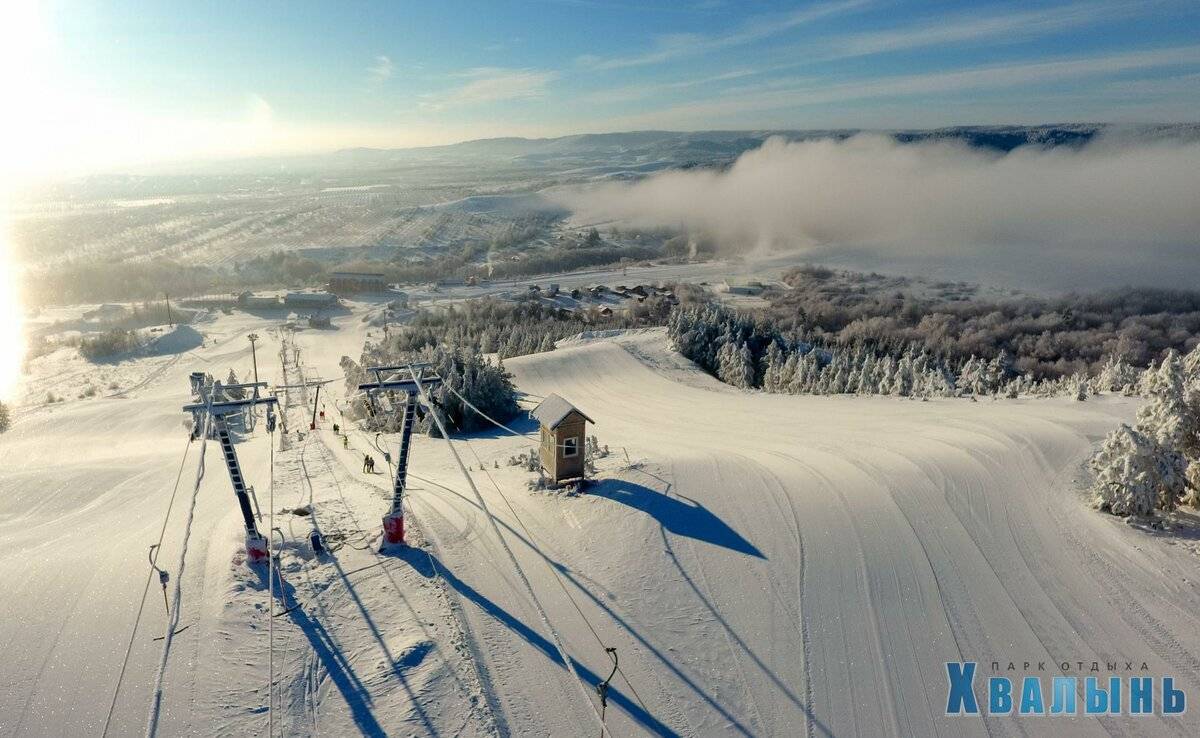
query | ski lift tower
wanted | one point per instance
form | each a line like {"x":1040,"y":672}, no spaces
{"x":256,"y":543}
{"x":407,"y":382}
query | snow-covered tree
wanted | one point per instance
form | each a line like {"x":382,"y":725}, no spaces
{"x":234,"y":393}
{"x":1133,"y":475}
{"x":1168,"y":417}
{"x":736,"y":365}
{"x":1115,"y":376}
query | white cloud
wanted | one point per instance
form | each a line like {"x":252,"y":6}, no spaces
{"x":381,"y":69}
{"x":678,"y":45}
{"x":492,"y":84}
{"x":1112,"y":212}
{"x":1006,"y":27}
{"x":793,"y":94}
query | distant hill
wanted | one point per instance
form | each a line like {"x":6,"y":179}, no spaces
{"x":703,"y":147}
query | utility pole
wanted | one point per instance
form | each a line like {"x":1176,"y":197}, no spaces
{"x":393,"y":522}
{"x":254,"y":354}
{"x":256,"y":543}
{"x":169,"y":319}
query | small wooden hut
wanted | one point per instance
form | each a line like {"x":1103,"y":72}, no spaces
{"x":563,"y":430}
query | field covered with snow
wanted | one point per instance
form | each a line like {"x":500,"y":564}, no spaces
{"x":764,"y":565}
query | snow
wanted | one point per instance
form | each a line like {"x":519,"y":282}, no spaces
{"x":769,"y":563}
{"x":764,"y":564}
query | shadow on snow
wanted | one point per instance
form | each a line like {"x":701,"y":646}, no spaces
{"x":428,"y":566}
{"x":677,"y":514}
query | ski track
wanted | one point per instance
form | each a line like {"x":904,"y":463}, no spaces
{"x":770,"y":566}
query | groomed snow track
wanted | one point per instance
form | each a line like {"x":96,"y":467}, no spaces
{"x":785,"y":566}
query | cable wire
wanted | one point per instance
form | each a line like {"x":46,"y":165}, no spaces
{"x":557,"y":577}
{"x":145,"y":591}
{"x":173,"y":620}
{"x":271,"y":553}
{"x":530,"y":535}
{"x":545,"y":618}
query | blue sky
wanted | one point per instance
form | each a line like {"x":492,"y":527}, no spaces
{"x":150,"y":80}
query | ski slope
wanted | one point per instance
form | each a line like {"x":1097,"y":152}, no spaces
{"x":763,"y":564}
{"x":802,"y":565}
{"x":368,"y":644}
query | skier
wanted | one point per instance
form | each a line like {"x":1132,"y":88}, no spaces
{"x":345,"y":441}
{"x":335,"y":428}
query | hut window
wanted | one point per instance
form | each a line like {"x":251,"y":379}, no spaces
{"x":570,"y":447}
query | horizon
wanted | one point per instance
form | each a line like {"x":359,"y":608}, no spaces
{"x":119,"y":87}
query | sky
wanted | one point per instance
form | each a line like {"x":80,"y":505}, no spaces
{"x":115,"y":85}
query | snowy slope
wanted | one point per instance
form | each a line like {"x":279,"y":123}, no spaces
{"x":373,"y":646}
{"x":764,"y":565}
{"x":785,"y":565}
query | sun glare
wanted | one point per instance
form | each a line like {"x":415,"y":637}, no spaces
{"x":12,"y":345}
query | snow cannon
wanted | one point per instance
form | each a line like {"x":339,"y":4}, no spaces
{"x":393,"y":528}
{"x":256,"y":549}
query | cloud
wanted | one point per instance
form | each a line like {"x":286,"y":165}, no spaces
{"x":1006,"y":27}
{"x":492,"y":84}
{"x":381,"y":69}
{"x":679,"y":45}
{"x":1113,"y":212}
{"x":630,"y":93}
{"x":792,"y":94}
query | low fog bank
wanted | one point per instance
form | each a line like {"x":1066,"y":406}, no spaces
{"x":1113,"y":212}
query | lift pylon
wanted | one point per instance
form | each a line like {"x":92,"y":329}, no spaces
{"x":256,"y":543}
{"x":393,"y":522}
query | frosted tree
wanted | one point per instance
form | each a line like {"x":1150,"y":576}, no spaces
{"x":773,"y":364}
{"x":1126,"y":474}
{"x":1191,"y":365}
{"x":1167,"y":417}
{"x":744,"y":367}
{"x":235,"y":393}
{"x":1115,"y":376}
{"x":788,"y":373}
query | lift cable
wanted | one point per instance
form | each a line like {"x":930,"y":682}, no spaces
{"x":531,"y":537}
{"x":545,"y":618}
{"x":484,"y":415}
{"x":271,"y":553}
{"x":145,"y":591}
{"x":173,"y":620}
{"x":557,"y":578}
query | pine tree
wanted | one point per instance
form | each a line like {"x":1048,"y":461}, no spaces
{"x":1126,"y":474}
{"x":1167,"y":417}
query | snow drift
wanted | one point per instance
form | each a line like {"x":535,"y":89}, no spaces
{"x":1114,"y":211}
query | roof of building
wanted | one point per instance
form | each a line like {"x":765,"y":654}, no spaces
{"x":553,"y":410}
{"x":310,"y":297}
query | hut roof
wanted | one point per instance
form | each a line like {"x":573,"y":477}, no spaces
{"x":553,"y":410}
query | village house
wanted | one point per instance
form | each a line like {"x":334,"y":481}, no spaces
{"x":310,"y":300}
{"x":563,"y":429}
{"x":346,"y":283}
